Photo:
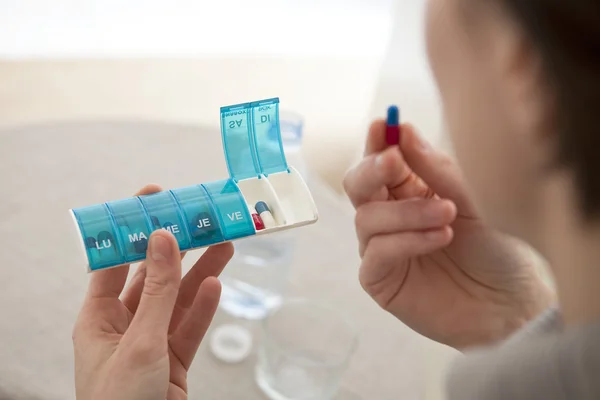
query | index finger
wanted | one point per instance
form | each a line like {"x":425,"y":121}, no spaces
{"x":110,"y":282}
{"x":376,"y":138}
{"x":376,"y":142}
{"x":375,"y":176}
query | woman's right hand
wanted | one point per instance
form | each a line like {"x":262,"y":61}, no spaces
{"x":427,"y":257}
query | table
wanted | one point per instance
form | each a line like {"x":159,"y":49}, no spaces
{"x":47,"y":169}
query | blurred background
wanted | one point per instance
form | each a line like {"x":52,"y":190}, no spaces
{"x":337,"y":63}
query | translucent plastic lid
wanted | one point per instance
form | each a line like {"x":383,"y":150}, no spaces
{"x":252,"y":139}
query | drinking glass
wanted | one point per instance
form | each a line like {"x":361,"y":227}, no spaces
{"x":305,"y":351}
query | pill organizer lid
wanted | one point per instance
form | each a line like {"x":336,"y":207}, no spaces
{"x":251,"y":136}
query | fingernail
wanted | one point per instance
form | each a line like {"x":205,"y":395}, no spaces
{"x":160,"y":249}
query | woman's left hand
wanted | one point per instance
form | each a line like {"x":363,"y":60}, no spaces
{"x":139,"y":345}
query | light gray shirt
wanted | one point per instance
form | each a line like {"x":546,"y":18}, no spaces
{"x":542,"y":361}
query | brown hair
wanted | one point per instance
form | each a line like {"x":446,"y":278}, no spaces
{"x":567,"y":35}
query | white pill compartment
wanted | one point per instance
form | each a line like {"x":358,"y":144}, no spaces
{"x":259,"y":189}
{"x":286,"y":194}
{"x":294,"y":197}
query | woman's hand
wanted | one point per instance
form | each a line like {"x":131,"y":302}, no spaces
{"x":140,"y":346}
{"x":427,"y":257}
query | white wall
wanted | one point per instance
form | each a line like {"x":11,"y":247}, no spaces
{"x":321,"y":57}
{"x":340,"y":63}
{"x":163,"y":28}
{"x":405,"y":78}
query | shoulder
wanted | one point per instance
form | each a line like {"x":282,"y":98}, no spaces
{"x":541,"y":361}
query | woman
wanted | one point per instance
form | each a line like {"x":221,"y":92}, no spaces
{"x":520,"y":86}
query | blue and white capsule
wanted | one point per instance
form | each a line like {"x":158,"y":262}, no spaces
{"x":265,"y":214}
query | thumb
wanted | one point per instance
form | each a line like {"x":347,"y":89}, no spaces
{"x":436,"y":169}
{"x":161,"y":286}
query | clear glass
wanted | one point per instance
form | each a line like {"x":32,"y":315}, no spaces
{"x":305,"y":351}
{"x":255,"y":278}
{"x":291,"y":127}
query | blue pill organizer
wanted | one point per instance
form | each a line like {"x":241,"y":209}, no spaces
{"x":117,"y":232}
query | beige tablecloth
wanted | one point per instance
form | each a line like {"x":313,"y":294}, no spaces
{"x":45,"y":170}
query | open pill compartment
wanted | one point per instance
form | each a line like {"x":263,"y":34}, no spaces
{"x":117,"y":232}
